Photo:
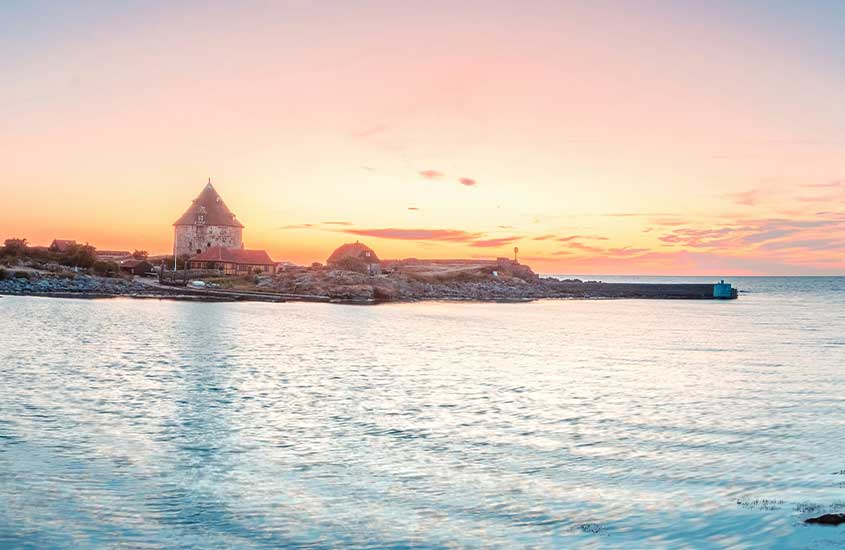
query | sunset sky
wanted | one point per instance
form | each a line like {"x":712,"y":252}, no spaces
{"x":630,"y":137}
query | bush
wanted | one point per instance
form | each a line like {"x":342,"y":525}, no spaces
{"x":80,"y":255}
{"x":22,"y":275}
{"x":3,"y":274}
{"x":105,"y":269}
{"x":14,"y":247}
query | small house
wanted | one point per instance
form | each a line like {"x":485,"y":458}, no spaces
{"x":355,"y":257}
{"x":234,"y":261}
{"x":61,"y":245}
{"x":136,"y":267}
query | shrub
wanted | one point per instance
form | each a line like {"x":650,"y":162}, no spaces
{"x":3,"y":274}
{"x":80,"y":255}
{"x":14,"y":247}
{"x":22,"y":275}
{"x":105,"y":269}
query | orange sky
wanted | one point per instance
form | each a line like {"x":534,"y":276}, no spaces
{"x":674,"y":138}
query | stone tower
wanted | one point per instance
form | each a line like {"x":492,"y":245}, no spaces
{"x":207,"y":222}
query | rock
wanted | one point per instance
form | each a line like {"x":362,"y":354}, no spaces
{"x":385,"y":293}
{"x":827,"y":519}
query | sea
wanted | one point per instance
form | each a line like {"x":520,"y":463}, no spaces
{"x":554,"y":424}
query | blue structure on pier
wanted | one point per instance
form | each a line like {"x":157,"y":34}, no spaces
{"x":722,"y":290}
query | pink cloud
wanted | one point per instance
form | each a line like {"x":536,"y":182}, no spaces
{"x":579,"y":237}
{"x":748,"y":198}
{"x":296,"y":226}
{"x":449,"y":235}
{"x":431,"y":174}
{"x":370,"y":131}
{"x":493,"y":243}
{"x":469,"y":182}
{"x":828,"y":185}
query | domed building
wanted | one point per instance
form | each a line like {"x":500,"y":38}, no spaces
{"x":355,"y":257}
{"x":207,"y":223}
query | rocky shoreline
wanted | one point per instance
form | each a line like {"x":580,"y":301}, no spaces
{"x":503,"y":281}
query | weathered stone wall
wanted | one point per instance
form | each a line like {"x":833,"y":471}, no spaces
{"x":191,"y":238}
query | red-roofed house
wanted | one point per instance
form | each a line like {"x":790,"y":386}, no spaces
{"x":61,"y":245}
{"x":355,"y":257}
{"x":234,"y":261}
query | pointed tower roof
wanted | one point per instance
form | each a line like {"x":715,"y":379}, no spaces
{"x":208,"y":202}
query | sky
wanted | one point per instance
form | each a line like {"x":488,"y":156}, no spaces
{"x":598,"y":137}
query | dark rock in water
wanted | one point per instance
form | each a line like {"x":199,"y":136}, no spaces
{"x":827,"y":519}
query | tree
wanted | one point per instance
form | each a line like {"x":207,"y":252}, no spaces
{"x":14,"y":247}
{"x":79,"y":255}
{"x":105,"y":269}
{"x":140,"y":254}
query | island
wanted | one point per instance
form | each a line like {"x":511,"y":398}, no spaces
{"x":410,"y":280}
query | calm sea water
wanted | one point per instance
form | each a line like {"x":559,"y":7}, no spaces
{"x":594,"y":424}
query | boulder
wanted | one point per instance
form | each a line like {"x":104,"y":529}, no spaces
{"x":827,"y":519}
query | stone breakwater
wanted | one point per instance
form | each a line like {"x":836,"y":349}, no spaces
{"x":83,"y":286}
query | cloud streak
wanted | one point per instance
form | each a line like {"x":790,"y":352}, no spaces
{"x":431,"y":174}
{"x":447,"y":235}
{"x":494,"y":243}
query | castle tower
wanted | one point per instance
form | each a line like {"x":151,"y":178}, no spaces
{"x":207,"y":222}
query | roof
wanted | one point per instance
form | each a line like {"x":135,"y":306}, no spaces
{"x":113,"y":253}
{"x":215,"y":210}
{"x":234,"y":256}
{"x":62,"y":244}
{"x":354,"y":250}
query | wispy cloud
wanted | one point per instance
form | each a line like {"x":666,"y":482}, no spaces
{"x":493,"y":243}
{"x":431,"y":174}
{"x":471,"y":238}
{"x":295,"y":226}
{"x":808,"y":244}
{"x":755,"y":236}
{"x":827,"y":185}
{"x":370,"y":131}
{"x":764,"y":236}
{"x":449,"y":235}
{"x":580,"y":237}
{"x":636,"y":214}
{"x":752,"y":197}
{"x":469,"y":182}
